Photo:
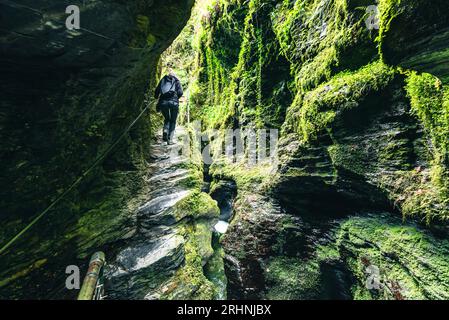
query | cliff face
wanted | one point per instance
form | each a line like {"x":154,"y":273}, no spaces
{"x":415,"y":36}
{"x":66,"y":96}
{"x":364,"y":141}
{"x":355,"y":206}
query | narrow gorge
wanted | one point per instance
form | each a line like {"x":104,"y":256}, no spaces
{"x":352,"y":203}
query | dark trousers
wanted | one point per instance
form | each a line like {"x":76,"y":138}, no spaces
{"x":170,"y":112}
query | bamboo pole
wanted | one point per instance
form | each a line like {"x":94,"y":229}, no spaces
{"x":93,"y":273}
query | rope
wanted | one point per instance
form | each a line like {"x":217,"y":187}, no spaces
{"x":13,"y":4}
{"x":76,"y":182}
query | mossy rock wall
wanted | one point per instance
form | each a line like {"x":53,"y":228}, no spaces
{"x":363,"y":133}
{"x":342,"y":75}
{"x":66,"y":97}
{"x":414,"y":35}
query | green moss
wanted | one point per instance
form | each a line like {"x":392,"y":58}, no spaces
{"x":198,"y":205}
{"x":35,"y":265}
{"x":240,"y":75}
{"x":215,"y":272}
{"x":430,"y":103}
{"x":203,"y":236}
{"x":318,"y":70}
{"x":388,"y":10}
{"x":141,"y":32}
{"x":316,"y":110}
{"x":190,"y":281}
{"x":329,"y":62}
{"x":412,"y":263}
{"x":408,"y":258}
{"x":317,"y":37}
{"x":151,"y":40}
{"x":247,"y":177}
{"x":401,"y":43}
{"x":346,"y":156}
{"x":426,"y":191}
{"x":292,"y":279}
{"x":327,"y":253}
{"x":209,"y":41}
{"x":193,"y":181}
{"x":417,"y":192}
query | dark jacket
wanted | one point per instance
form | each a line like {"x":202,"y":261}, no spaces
{"x":177,"y":89}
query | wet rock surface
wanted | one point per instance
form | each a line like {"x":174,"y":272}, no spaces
{"x":366,"y":148}
{"x":173,"y":228}
{"x":326,"y":226}
{"x":416,"y":37}
{"x":362,"y":256}
{"x":224,"y":192}
{"x":133,"y":274}
{"x":250,"y":239}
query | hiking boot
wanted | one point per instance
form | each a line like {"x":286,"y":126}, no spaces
{"x":165,"y":136}
{"x":170,"y":138}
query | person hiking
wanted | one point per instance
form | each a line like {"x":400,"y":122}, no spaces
{"x":169,"y":91}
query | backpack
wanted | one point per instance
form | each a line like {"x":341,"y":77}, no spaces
{"x":168,"y":87}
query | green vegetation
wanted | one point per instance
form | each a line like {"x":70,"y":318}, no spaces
{"x":330,"y":67}
{"x":357,"y":123}
{"x":399,"y":36}
{"x":388,"y":11}
{"x":318,"y":108}
{"x":228,"y":85}
{"x":190,"y":281}
{"x":247,"y":177}
{"x":430,"y":103}
{"x":427,"y":191}
{"x":35,"y":265}
{"x":292,"y":279}
{"x":198,"y":205}
{"x":321,"y":38}
{"x":359,"y":127}
{"x":215,"y":272}
{"x":363,"y":117}
{"x":406,"y":256}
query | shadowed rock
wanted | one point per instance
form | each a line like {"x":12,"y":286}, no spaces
{"x":417,"y":36}
{"x":136,"y":268}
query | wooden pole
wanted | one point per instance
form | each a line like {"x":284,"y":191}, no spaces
{"x":96,"y":265}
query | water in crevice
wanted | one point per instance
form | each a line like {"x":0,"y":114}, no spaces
{"x":224,"y":192}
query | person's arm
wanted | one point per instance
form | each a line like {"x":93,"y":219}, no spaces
{"x":179,"y":90}
{"x":157,"y":93}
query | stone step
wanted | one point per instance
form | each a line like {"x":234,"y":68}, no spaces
{"x":162,"y":203}
{"x":138,"y":265}
{"x":170,"y":176}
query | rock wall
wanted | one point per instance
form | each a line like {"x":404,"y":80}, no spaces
{"x":66,"y":96}
{"x":171,"y":248}
{"x":415,"y":36}
{"x":355,"y":206}
{"x":363,"y":144}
